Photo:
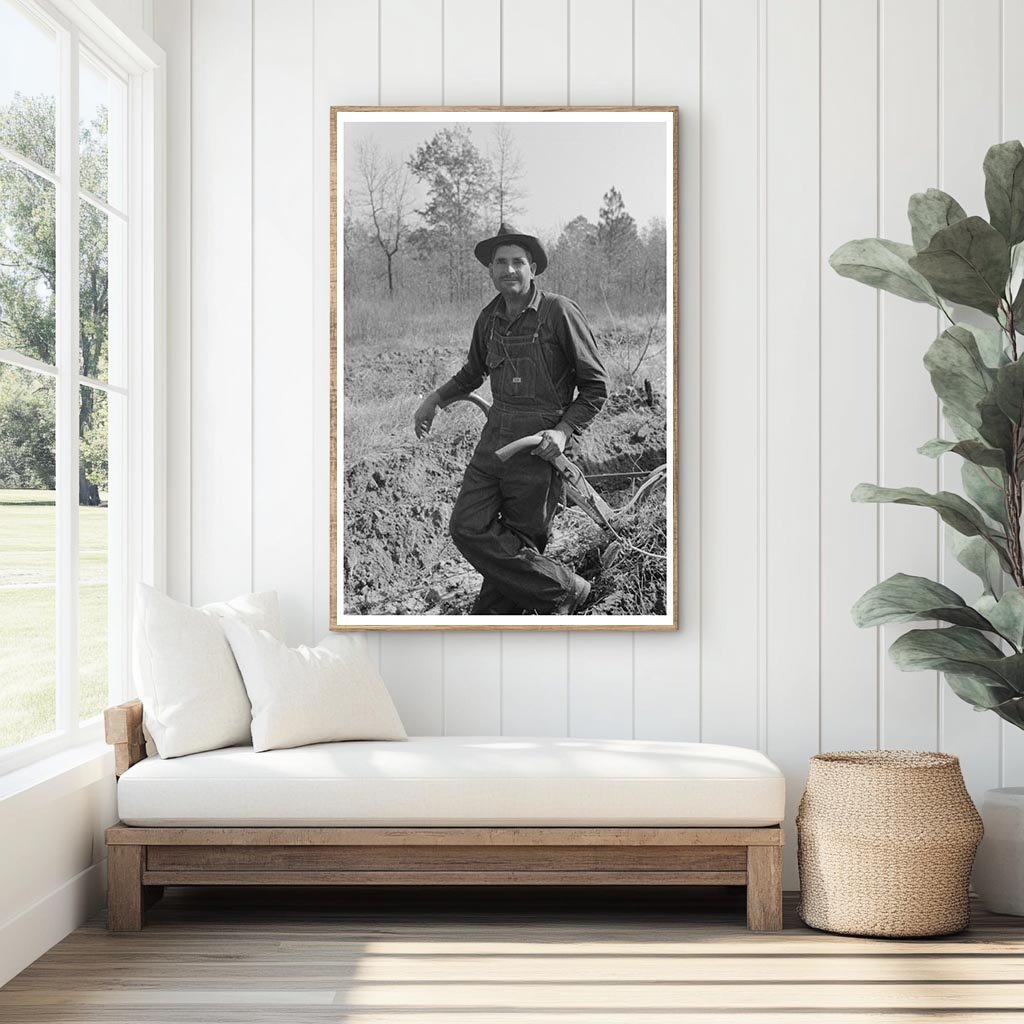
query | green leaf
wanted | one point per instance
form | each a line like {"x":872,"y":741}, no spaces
{"x":932,"y":211}
{"x":1015,"y":286}
{"x":1016,"y":279}
{"x":958,"y":372}
{"x":1009,"y":390}
{"x":982,"y":693}
{"x":990,"y":345}
{"x":903,"y":598}
{"x":964,"y":652}
{"x":1004,"y":189}
{"x":985,"y":487}
{"x":967,"y":263}
{"x":995,"y":428}
{"x":1017,"y":309}
{"x":1006,"y":614}
{"x":973,"y":451}
{"x":962,"y":430}
{"x":976,"y":555}
{"x":953,"y":509}
{"x":1011,"y":711}
{"x":883,"y":264}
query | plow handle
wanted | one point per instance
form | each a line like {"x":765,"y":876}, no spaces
{"x":530,"y":441}
{"x":481,"y":403}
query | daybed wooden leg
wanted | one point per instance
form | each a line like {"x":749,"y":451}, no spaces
{"x":124,"y":888}
{"x":764,"y":888}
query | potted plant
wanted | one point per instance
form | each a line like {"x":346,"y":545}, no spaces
{"x":978,"y":374}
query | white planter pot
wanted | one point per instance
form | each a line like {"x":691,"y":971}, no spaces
{"x":998,"y":877}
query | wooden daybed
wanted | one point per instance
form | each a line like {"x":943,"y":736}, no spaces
{"x":144,"y":858}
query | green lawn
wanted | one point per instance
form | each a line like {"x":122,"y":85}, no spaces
{"x":28,"y":616}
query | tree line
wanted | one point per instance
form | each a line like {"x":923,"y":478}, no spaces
{"x":28,"y":288}
{"x":392,"y":247}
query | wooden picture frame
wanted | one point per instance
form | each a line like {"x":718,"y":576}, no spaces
{"x":413,"y":192}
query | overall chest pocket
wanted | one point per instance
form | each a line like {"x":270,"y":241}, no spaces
{"x":513,"y":372}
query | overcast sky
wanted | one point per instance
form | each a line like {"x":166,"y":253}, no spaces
{"x":567,"y":168}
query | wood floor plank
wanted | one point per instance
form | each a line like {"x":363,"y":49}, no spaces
{"x":384,"y":968}
{"x":540,"y":996}
{"x":203,"y":1014}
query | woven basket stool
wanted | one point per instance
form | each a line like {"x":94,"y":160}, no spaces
{"x":885,"y":843}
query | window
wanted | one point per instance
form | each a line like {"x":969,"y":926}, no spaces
{"x":78,"y":259}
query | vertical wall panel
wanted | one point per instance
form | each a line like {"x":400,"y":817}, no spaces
{"x":535,"y":699}
{"x":472,"y":661}
{"x":411,"y":72}
{"x":909,"y":102}
{"x":666,"y":666}
{"x":472,"y":684}
{"x":1012,"y":127}
{"x":344,"y":47}
{"x":414,"y":673}
{"x":410,"y":52}
{"x":535,"y":52}
{"x":600,"y":52}
{"x":173,"y":31}
{"x":600,"y":669}
{"x":283,"y":308}
{"x":729,"y":387}
{"x":849,"y":372}
{"x":535,"y":679}
{"x":472,"y":52}
{"x":221,"y":528}
{"x":601,"y":685}
{"x":969,"y":124}
{"x":792,"y":384}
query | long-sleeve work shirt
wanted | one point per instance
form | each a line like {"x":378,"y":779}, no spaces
{"x":568,"y":347}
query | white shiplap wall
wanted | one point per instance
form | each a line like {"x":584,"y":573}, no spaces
{"x":803,"y":123}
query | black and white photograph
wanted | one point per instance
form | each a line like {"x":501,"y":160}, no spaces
{"x":504,"y":359}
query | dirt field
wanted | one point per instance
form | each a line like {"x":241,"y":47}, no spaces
{"x":398,"y":492}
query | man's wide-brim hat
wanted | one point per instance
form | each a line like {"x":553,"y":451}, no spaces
{"x":484,"y":250}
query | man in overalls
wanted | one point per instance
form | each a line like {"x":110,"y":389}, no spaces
{"x":546,"y":378}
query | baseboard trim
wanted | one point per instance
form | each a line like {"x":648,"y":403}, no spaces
{"x":26,"y":937}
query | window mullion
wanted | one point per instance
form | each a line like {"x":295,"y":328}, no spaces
{"x":67,"y":386}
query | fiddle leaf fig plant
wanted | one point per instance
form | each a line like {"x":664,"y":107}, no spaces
{"x":978,"y":376}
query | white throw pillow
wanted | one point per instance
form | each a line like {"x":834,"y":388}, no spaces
{"x":192,"y":693}
{"x":309,"y":694}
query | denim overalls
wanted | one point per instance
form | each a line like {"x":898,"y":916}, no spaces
{"x":504,"y":510}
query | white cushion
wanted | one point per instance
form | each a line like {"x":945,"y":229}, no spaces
{"x":309,"y":694}
{"x":456,"y":780}
{"x":191,"y":691}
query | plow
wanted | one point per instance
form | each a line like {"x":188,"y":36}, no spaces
{"x":577,"y":487}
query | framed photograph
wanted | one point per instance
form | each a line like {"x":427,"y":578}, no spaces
{"x":504,"y":352}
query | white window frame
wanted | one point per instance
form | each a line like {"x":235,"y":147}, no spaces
{"x":141,"y":64}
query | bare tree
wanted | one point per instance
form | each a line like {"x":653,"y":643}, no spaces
{"x":508,"y":173}
{"x":385,"y":196}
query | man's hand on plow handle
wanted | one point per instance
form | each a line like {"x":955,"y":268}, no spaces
{"x":576,"y":484}
{"x":546,"y":446}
